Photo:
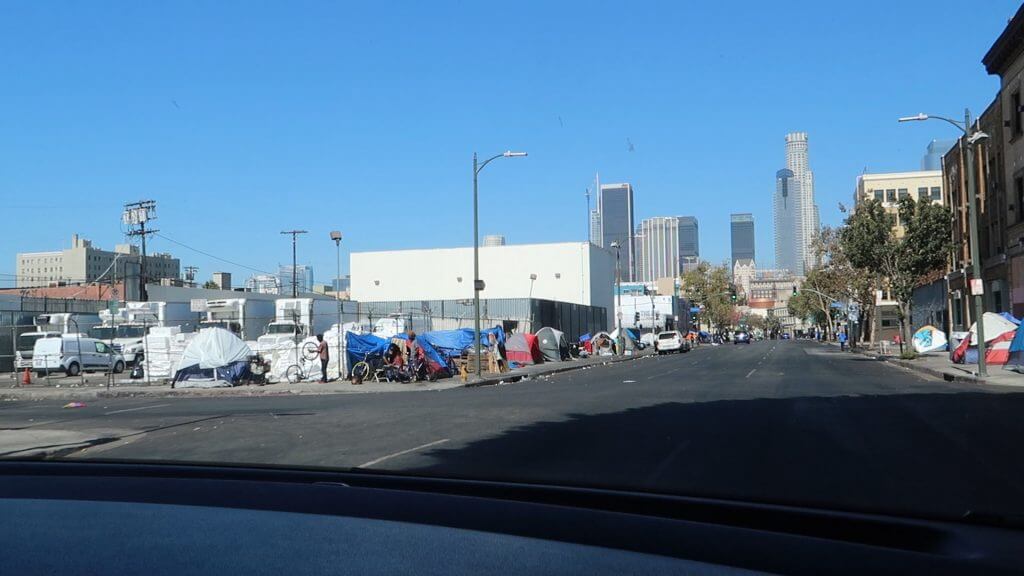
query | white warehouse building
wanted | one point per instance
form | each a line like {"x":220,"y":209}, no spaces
{"x":573,"y":272}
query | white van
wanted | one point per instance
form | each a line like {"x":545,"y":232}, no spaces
{"x":72,"y":354}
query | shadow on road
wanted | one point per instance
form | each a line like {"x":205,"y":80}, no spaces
{"x":919,"y":454}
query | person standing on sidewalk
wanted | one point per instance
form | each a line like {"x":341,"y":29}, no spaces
{"x":325,"y":355}
{"x":842,"y":341}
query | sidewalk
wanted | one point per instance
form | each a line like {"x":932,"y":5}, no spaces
{"x":938,"y":365}
{"x":123,"y":388}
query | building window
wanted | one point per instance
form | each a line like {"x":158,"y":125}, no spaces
{"x":878,"y":195}
{"x":936,"y":193}
{"x":1015,"y":115}
{"x":1018,"y":194}
{"x":903,"y":193}
{"x":922,"y":194}
{"x":890,"y":195}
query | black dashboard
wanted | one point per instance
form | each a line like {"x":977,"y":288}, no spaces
{"x":114,"y":518}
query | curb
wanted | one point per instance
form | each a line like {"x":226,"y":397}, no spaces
{"x":42,"y":394}
{"x":495,"y":380}
{"x":963,"y":378}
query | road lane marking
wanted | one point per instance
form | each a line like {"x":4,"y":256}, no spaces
{"x":413,"y":449}
{"x":135,"y":409}
{"x":751,"y":372}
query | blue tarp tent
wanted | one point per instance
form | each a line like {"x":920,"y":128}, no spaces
{"x":453,"y":342}
{"x":1010,"y":317}
{"x":438,"y":361}
{"x":359,"y":346}
{"x":585,"y":337}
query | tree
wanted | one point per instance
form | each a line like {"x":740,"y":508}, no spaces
{"x":870,"y":242}
{"x":210,"y":285}
{"x":708,"y":286}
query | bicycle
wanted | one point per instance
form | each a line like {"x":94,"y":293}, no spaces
{"x":372,"y":365}
{"x":295,"y":373}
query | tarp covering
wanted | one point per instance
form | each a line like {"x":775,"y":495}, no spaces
{"x":1010,"y":317}
{"x":522,"y":348}
{"x":454,"y":342}
{"x":999,"y":333}
{"x":553,"y":344}
{"x":359,"y":346}
{"x":929,"y":339}
{"x":214,"y":357}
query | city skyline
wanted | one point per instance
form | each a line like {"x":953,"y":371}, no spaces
{"x":742,"y":238}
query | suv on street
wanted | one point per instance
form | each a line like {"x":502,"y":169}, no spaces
{"x":671,"y":341}
{"x":741,"y":338}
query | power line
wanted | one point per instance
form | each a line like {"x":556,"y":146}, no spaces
{"x":207,"y":254}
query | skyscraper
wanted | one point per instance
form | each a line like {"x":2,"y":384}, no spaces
{"x":689,"y":237}
{"x":303,"y":277}
{"x":787,"y":209}
{"x":659,"y":244}
{"x":932,"y":159}
{"x":742,"y":227}
{"x":595,"y":227}
{"x":807,"y":219}
{"x":615,"y":204}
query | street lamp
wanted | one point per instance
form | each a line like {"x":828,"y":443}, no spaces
{"x":478,"y":285}
{"x":336,"y":236}
{"x":618,"y":295}
{"x":972,"y":135}
{"x":533,"y":278}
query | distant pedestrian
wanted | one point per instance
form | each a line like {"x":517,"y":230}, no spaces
{"x":842,"y":341}
{"x":322,"y":349}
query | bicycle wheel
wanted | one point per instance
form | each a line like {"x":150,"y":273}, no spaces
{"x":293,"y":374}
{"x":309,"y":351}
{"x":361,"y":370}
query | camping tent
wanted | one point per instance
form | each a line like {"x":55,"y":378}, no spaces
{"x":553,"y":344}
{"x":929,"y":339}
{"x":600,"y":343}
{"x":522,"y":348}
{"x":628,"y":343}
{"x":999,"y":333}
{"x":213,"y":358}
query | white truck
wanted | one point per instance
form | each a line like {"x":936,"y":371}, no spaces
{"x":126,"y":328}
{"x":394,"y":324}
{"x":296,"y":319}
{"x":247,"y":318}
{"x":48,"y":325}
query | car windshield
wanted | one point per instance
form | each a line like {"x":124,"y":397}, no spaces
{"x":753,"y":251}
{"x":27,"y":341}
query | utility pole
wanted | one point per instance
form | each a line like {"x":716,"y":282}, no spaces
{"x":190,"y":275}
{"x":135,"y":215}
{"x":295,"y":280}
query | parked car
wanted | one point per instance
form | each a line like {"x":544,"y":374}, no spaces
{"x":741,"y":338}
{"x":671,"y":341}
{"x":649,"y":339}
{"x":72,"y":354}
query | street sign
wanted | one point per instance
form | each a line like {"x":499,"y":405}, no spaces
{"x":977,"y":286}
{"x":198,"y":305}
{"x":112,"y":306}
{"x":479,"y":285}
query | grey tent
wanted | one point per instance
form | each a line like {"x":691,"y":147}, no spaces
{"x":553,"y":344}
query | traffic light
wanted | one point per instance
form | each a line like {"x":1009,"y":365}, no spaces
{"x":636,"y":317}
{"x":794,"y":290}
{"x":732,"y":293}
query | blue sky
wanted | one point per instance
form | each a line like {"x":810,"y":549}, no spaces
{"x":242,"y":119}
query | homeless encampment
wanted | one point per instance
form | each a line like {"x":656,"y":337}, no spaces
{"x":999,"y":333}
{"x":553,"y":344}
{"x":213,"y":358}
{"x":628,"y":343}
{"x":522,"y":348}
{"x":358,"y":347}
{"x":600,"y":343}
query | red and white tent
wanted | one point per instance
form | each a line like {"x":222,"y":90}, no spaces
{"x":999,"y":332}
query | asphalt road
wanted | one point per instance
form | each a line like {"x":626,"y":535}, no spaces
{"x":786,"y":422}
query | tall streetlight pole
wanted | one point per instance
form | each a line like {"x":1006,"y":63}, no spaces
{"x":295,"y":279}
{"x":478,"y":284}
{"x":618,"y":305}
{"x":972,"y":135}
{"x":336,"y":236}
